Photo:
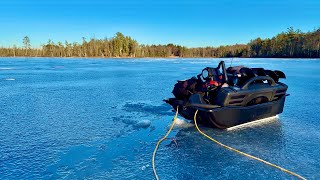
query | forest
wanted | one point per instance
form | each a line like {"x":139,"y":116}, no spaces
{"x":289,"y":44}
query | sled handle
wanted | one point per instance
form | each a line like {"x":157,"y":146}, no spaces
{"x":259,"y":78}
{"x":203,"y":106}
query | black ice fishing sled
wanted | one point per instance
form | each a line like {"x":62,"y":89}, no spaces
{"x":230,"y":97}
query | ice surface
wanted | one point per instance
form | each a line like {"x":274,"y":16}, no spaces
{"x":101,"y":118}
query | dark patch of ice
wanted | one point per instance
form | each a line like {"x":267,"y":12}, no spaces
{"x":163,"y":110}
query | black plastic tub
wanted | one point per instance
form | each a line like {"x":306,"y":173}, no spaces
{"x":225,"y":117}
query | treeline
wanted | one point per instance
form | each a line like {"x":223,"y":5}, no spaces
{"x":289,"y":44}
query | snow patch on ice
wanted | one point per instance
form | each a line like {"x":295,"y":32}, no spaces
{"x":10,"y":79}
{"x":142,"y":124}
{"x":180,"y":123}
{"x":5,"y":68}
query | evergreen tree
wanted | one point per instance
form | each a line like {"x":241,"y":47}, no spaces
{"x":26,"y":44}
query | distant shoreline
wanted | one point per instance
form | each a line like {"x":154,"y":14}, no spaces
{"x":75,"y":57}
{"x":289,"y":44}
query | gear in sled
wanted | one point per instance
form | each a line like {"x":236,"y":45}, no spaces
{"x":227,"y":97}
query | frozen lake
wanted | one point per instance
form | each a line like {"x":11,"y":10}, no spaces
{"x":101,"y":118}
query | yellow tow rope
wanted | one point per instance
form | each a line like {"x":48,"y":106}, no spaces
{"x":219,"y":143}
{"x":243,"y":153}
{"x":158,"y":143}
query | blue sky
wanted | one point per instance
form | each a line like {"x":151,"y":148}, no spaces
{"x":190,"y":23}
